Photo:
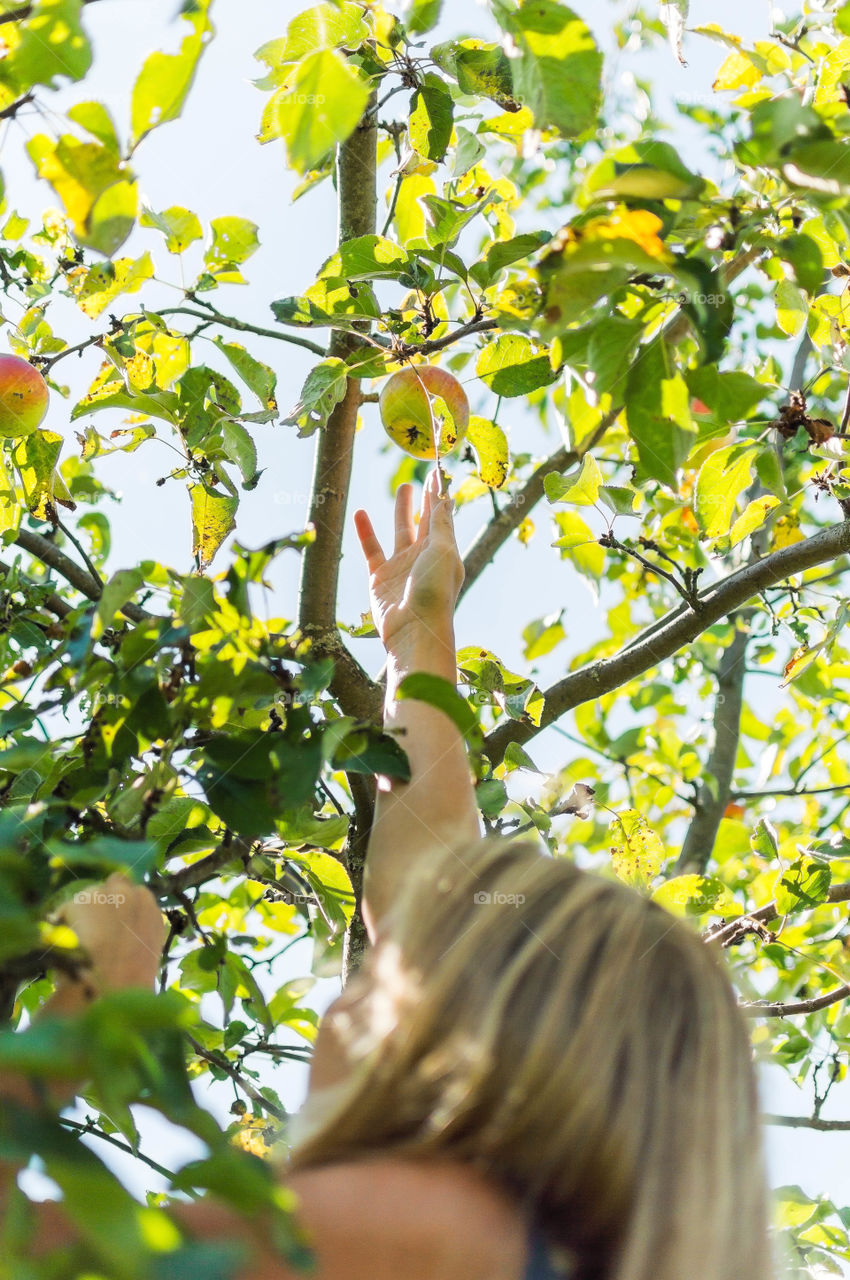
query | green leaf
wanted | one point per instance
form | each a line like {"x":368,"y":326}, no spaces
{"x":731,"y":396}
{"x":581,"y":490}
{"x":792,"y":309}
{"x":105,"y":281}
{"x":165,"y":79}
{"x":213,"y":518}
{"x":512,"y":366}
{"x":695,"y":895}
{"x":431,"y":114}
{"x":542,"y":636}
{"x":319,"y":105}
{"x":503,"y":253}
{"x":764,"y":841}
{"x":233,"y":242}
{"x":579,"y":544}
{"x":324,"y":389}
{"x":803,"y":885}
{"x":98,"y":192}
{"x":36,"y":457}
{"x":440,"y":693}
{"x":637,"y":852}
{"x":96,"y":120}
{"x":422,"y":15}
{"x":50,"y":43}
{"x":658,"y":413}
{"x":754,"y":517}
{"x":481,"y":69}
{"x":240,"y":448}
{"x":366,"y":258}
{"x":491,"y":447}
{"x":722,"y":479}
{"x":558,"y":68}
{"x":842,"y":20}
{"x":180,"y":226}
{"x":120,"y":588}
{"x":257,"y":376}
{"x":644,"y":170}
{"x":325,"y":26}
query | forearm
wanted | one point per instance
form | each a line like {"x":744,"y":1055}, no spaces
{"x":436,"y":808}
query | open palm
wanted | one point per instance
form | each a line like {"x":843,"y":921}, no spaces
{"x":418,"y":585}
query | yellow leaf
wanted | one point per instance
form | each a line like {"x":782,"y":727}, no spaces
{"x":213,"y":518}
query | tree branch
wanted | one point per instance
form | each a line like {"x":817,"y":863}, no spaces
{"x":231,"y":322}
{"x":320,"y":564}
{"x":45,"y":551}
{"x":448,"y":340}
{"x":808,"y":1122}
{"x":711,"y":801}
{"x":778,"y":1009}
{"x":732,"y":932}
{"x":671,"y":634}
{"x":198,"y":873}
{"x":52,"y":602}
{"x":224,"y":1064}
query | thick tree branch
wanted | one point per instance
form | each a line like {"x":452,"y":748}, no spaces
{"x":320,"y":564}
{"x":45,"y":551}
{"x":236,"y":849}
{"x":672,"y":634}
{"x":712,"y":799}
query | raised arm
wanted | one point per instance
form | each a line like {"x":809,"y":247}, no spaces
{"x":413,"y":594}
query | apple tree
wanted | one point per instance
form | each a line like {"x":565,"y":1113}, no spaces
{"x":523,"y":253}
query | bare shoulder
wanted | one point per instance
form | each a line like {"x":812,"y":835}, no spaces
{"x":380,"y":1218}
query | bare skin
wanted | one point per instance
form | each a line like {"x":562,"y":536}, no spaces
{"x":382,"y":1218}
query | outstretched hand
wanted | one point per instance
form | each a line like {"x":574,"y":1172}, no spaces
{"x":414,"y":590}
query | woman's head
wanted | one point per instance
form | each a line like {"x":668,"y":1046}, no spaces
{"x":574,"y":1041}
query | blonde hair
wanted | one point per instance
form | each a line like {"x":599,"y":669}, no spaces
{"x":577,"y":1043}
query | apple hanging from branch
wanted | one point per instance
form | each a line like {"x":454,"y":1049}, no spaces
{"x":23,"y":397}
{"x":424,"y":410}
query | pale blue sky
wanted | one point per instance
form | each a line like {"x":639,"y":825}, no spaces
{"x":210,"y":162}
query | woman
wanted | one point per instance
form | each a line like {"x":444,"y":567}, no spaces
{"x":537,"y":1073}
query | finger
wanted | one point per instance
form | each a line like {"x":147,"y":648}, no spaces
{"x":425,"y":515}
{"x":405,"y":533}
{"x":368,"y":541}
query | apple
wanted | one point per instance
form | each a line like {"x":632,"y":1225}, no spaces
{"x":424,"y":410}
{"x":23,"y":397}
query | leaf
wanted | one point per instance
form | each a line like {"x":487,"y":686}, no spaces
{"x":36,"y":457}
{"x":165,"y":79}
{"x":637,"y":852}
{"x":369,"y":257}
{"x":481,"y":69}
{"x":324,"y":389}
{"x":511,"y":366}
{"x":803,"y":885}
{"x":50,"y":42}
{"x":491,"y":447}
{"x":503,"y":253}
{"x":422,"y":15}
{"x":732,"y":396}
{"x":431,"y":113}
{"x":694,"y":895}
{"x":257,"y":376}
{"x":754,"y":517}
{"x":96,"y":120}
{"x":542,"y":636}
{"x":763,"y":840}
{"x":721,"y":480}
{"x":581,"y":490}
{"x":441,"y":694}
{"x":103,"y":282}
{"x":318,"y":106}
{"x":325,"y":26}
{"x":558,"y":68}
{"x":792,"y":309}
{"x":213,"y":518}
{"x":180,"y":226}
{"x":98,"y":192}
{"x":579,"y":543}
{"x":674,"y":15}
{"x":240,"y":448}
{"x":234,"y":240}
{"x":120,"y":588}
{"x":658,"y":414}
